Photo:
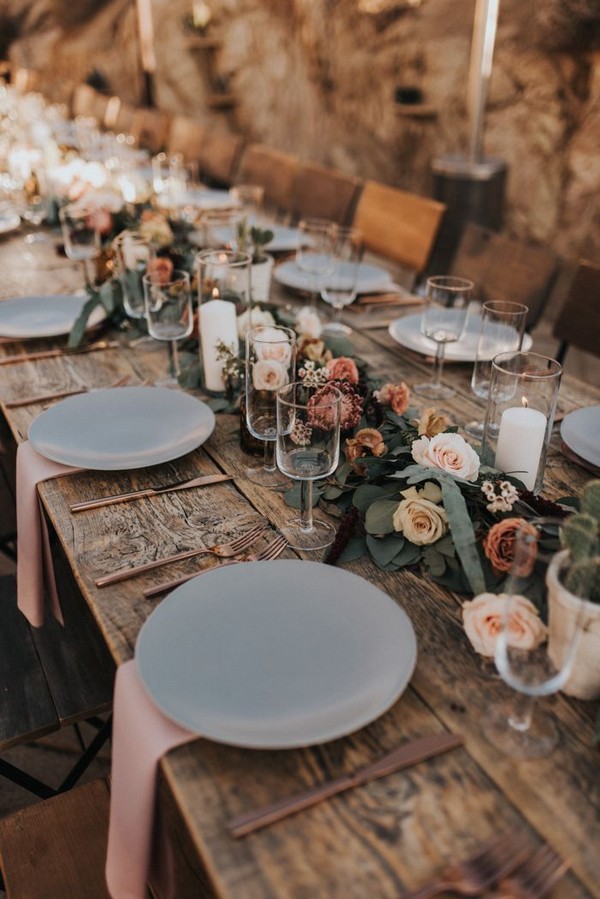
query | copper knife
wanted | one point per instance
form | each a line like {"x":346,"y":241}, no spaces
{"x":52,"y":354}
{"x":402,"y":757}
{"x":202,"y":481}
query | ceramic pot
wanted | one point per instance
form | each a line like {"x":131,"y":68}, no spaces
{"x":260,"y":280}
{"x":563,"y":609}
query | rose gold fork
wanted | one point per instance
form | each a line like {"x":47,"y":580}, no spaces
{"x":274,"y":549}
{"x":224,"y":550}
{"x":474,"y":875}
{"x":535,"y":878}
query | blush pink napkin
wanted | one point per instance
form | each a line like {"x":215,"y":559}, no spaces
{"x":141,"y":735}
{"x":34,"y":562}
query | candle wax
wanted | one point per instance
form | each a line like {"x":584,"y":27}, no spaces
{"x":520,"y":443}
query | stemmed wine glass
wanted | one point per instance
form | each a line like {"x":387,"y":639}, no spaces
{"x":33,"y":204}
{"x":339,"y":290}
{"x":308,"y":447}
{"x":270,"y":364}
{"x":169,"y":315}
{"x":133,"y":254}
{"x":522,"y":654}
{"x":81,"y":234}
{"x":314,"y":255}
{"x":444,"y":321}
{"x":502,"y":329}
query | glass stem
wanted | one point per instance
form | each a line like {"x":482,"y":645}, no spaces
{"x":306,"y":503}
{"x":520,"y":717}
{"x":173,"y":359}
{"x":86,"y":273}
{"x":269,"y":456}
{"x":438,"y":365}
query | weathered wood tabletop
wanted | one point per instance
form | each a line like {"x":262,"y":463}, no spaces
{"x":375,"y":841}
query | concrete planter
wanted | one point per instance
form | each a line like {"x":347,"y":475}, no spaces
{"x":260,"y":280}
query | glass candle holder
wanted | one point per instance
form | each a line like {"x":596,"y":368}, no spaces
{"x":520,"y":414}
{"x":224,"y":294}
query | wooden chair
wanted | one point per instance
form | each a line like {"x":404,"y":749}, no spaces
{"x":503,"y":268}
{"x":150,"y":128}
{"x":57,"y":849}
{"x":321,"y":192}
{"x":87,"y":101}
{"x":26,"y":80}
{"x":186,"y":136}
{"x":398,"y":225}
{"x":272,"y":169}
{"x":578,"y":322}
{"x":121,"y":118}
{"x":219,"y":158}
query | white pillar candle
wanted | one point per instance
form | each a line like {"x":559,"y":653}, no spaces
{"x":218,"y":324}
{"x":520,"y":443}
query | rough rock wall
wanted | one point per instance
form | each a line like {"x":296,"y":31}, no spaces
{"x":318,"y":78}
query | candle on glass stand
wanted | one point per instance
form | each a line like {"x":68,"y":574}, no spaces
{"x":520,"y":442}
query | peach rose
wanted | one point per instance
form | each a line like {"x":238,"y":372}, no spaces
{"x":343,"y":369}
{"x":271,"y":343}
{"x":160,"y":269}
{"x":483,"y":619}
{"x":308,"y":323}
{"x":367,"y":440}
{"x":419,"y":517}
{"x":397,"y":396}
{"x":499,"y":546}
{"x":431,"y":423}
{"x":253,"y":319}
{"x":268,"y":374}
{"x":448,"y":452}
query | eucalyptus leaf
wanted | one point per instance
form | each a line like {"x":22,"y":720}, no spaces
{"x":378,"y":519}
{"x":368,"y":493}
{"x":292,"y":496}
{"x":216,"y":403}
{"x":408,"y":555}
{"x":434,"y":561}
{"x":354,"y":549}
{"x":386,"y":549}
{"x":78,"y":330}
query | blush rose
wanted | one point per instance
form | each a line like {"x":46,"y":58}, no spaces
{"x":483,"y":620}
{"x":448,"y":452}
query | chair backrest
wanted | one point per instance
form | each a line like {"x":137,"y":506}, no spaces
{"x":150,"y":128}
{"x":321,"y":192}
{"x":274,"y":170}
{"x":24,"y":80}
{"x":578,"y":322}
{"x":398,"y":225}
{"x":119,"y":116}
{"x":503,"y":268}
{"x":186,"y":137}
{"x":87,"y":101}
{"x":219,"y":158}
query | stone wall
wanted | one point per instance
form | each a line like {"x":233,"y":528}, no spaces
{"x":319,"y":78}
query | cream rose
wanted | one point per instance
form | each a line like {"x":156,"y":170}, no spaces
{"x":483,"y":619}
{"x":308,"y":323}
{"x":448,"y":452}
{"x":421,"y":520}
{"x":268,"y":374}
{"x":259,"y":317}
{"x":271,"y":343}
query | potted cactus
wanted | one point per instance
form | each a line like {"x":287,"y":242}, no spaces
{"x":574,"y":595}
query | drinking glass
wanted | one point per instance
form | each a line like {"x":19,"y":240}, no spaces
{"x":308,"y":448}
{"x":444,"y":320}
{"x":33,"y":204}
{"x":249,"y":198}
{"x":502,"y":328}
{"x":169,"y":315}
{"x":133,"y":253}
{"x":80,"y":229}
{"x":270,"y":364}
{"x":522,"y":657}
{"x":314,"y":255}
{"x":339,"y":290}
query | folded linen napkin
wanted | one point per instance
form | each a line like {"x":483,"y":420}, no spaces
{"x":141,"y":736}
{"x":34,"y":561}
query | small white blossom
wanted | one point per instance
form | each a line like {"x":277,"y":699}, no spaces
{"x":501,"y":496}
{"x":311,"y":376}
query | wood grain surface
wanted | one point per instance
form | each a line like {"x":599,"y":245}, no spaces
{"x":390,"y":835}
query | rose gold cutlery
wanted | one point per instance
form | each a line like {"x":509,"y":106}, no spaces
{"x":535,"y":877}
{"x":44,"y":398}
{"x":274,"y":549}
{"x":224,"y":550}
{"x":402,"y":757}
{"x":474,"y":875}
{"x":144,"y":492}
{"x":51,"y":354}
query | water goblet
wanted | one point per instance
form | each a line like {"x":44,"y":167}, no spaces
{"x":81,"y":234}
{"x":339,"y":290}
{"x":33,"y":204}
{"x":502,"y":328}
{"x":522,"y":655}
{"x":444,"y":320}
{"x":308,"y":447}
{"x":169,"y":315}
{"x":270,"y":364}
{"x":314,"y":255}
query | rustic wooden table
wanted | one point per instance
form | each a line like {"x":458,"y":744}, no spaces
{"x":376,"y":841}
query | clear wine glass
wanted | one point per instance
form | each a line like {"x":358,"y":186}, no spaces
{"x":132,"y":255}
{"x":33,"y":204}
{"x":169,"y":315}
{"x":502,"y":329}
{"x":308,"y":447}
{"x":522,"y":654}
{"x":339,"y":289}
{"x":81,"y":235}
{"x":270,"y":364}
{"x":314,"y":255}
{"x":444,"y":320}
